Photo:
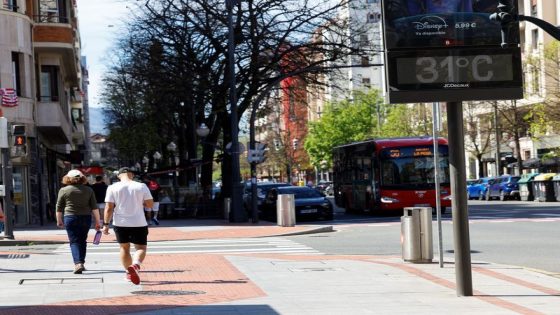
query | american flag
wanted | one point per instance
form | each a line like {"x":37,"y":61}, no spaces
{"x":9,"y":97}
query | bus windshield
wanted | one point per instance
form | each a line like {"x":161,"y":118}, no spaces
{"x":413,"y":167}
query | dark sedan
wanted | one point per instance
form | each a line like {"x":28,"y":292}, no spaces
{"x":310,"y":203}
{"x":262,"y":189}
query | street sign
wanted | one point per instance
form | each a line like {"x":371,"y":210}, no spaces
{"x":449,"y":51}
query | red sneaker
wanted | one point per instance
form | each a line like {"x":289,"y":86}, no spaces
{"x":133,"y":271}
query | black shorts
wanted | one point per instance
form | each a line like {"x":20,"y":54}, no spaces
{"x":128,"y":234}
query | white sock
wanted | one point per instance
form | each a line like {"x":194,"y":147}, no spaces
{"x":136,"y":262}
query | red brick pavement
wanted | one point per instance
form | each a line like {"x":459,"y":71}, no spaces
{"x":212,"y":276}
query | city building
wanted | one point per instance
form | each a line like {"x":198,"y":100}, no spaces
{"x":40,"y":63}
{"x":502,"y":124}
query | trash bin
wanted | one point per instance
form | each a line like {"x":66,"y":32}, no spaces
{"x":543,"y":188}
{"x":556,"y":183}
{"x":286,"y":210}
{"x":227,"y":208}
{"x":526,"y":186}
{"x":416,"y":235}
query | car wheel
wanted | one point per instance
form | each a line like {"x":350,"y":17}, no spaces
{"x":329,"y":216}
{"x":503,"y":196}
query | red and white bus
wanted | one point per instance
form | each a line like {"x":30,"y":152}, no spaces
{"x":390,"y":174}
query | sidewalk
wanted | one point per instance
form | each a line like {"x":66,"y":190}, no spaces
{"x":40,"y":282}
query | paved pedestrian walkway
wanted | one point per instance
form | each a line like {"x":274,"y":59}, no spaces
{"x":36,"y":280}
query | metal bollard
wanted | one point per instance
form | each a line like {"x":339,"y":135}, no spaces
{"x":286,"y":210}
{"x":227,"y":208}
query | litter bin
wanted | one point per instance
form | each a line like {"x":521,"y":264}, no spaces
{"x":416,"y":235}
{"x":543,"y":188}
{"x":286,"y":210}
{"x":526,"y":187}
{"x":556,"y":183}
{"x":227,"y":208}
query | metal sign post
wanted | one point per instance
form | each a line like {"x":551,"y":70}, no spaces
{"x":463,"y":272}
{"x":436,"y":129}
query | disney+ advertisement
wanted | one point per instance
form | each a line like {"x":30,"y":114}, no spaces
{"x":443,"y":23}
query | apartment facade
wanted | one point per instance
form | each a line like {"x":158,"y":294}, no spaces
{"x":40,"y":61}
{"x":539,"y":86}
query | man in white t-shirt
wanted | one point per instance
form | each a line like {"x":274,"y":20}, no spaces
{"x":124,"y":203}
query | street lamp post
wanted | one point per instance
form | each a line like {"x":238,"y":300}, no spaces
{"x":202,"y":131}
{"x":237,"y":214}
{"x":172,"y":147}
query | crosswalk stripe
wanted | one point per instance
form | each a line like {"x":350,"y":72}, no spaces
{"x":276,"y":245}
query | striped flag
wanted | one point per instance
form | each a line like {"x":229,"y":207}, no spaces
{"x":9,"y":97}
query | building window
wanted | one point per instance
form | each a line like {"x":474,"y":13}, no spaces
{"x":291,"y":104}
{"x":16,"y":72}
{"x":10,"y":5}
{"x":77,"y":115}
{"x":373,"y":17}
{"x":364,"y":40}
{"x":535,"y":39}
{"x":366,"y":82}
{"x":526,"y":154}
{"x":49,"y":84}
{"x":365,"y":60}
{"x":52,"y":11}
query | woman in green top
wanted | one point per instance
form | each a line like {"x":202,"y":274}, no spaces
{"x":76,"y":202}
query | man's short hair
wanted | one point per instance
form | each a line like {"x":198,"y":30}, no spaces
{"x":98,"y":178}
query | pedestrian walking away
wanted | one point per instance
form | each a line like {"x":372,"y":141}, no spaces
{"x":100,"y":189}
{"x":124,"y":203}
{"x":74,"y":207}
{"x":155,"y":188}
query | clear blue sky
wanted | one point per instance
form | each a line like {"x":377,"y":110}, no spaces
{"x":99,"y":22}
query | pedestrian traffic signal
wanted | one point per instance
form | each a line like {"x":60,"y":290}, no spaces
{"x":20,"y":141}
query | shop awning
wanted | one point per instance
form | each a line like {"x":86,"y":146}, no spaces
{"x":531,"y":163}
{"x":91,"y":170}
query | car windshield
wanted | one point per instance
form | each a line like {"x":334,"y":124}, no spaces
{"x":300,"y":193}
{"x":515,"y":179}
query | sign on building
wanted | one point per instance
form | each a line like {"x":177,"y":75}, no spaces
{"x":449,"y":51}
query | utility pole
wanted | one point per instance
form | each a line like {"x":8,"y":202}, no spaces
{"x":6,"y":179}
{"x":236,"y":205}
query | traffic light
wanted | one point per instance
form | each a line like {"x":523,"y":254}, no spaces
{"x":19,"y":137}
{"x":506,"y":15}
{"x":18,"y":132}
{"x":19,"y":140}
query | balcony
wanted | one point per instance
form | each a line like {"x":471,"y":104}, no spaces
{"x":54,"y":35}
{"x":53,"y":124}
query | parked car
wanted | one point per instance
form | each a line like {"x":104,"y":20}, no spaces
{"x":504,"y":187}
{"x":262,"y":189}
{"x":309,"y":203}
{"x":478,"y":190}
{"x":322,"y":185}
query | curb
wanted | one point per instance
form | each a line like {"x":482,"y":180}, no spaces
{"x":9,"y":242}
{"x":27,"y":243}
{"x":323,"y":229}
